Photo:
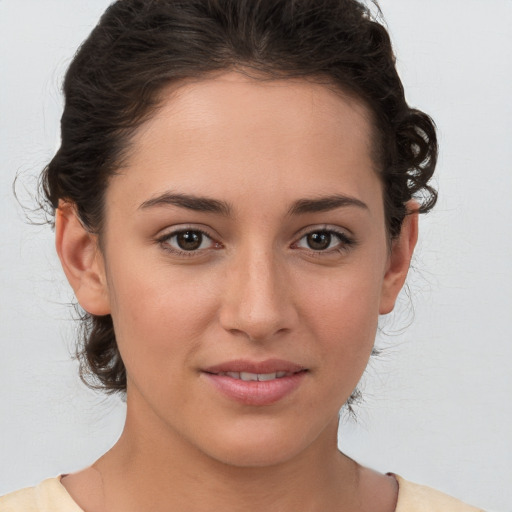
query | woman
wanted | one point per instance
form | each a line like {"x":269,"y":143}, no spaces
{"x":236,"y":200}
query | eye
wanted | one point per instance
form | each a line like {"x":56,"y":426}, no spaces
{"x":187,"y":241}
{"x":324,"y":240}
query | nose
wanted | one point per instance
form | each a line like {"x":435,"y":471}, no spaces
{"x":257,"y":302}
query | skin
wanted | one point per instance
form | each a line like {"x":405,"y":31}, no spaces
{"x":255,"y":289}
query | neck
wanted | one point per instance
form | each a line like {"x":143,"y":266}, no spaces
{"x":152,"y":468}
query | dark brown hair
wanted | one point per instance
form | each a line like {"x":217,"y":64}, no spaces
{"x":141,"y":46}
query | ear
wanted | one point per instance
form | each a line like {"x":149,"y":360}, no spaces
{"x":399,"y":260}
{"x":81,"y":260}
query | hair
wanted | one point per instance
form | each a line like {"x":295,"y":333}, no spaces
{"x":140,"y":47}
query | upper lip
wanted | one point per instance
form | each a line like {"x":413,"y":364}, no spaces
{"x":262,"y":367}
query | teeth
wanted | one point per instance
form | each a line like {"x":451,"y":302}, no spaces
{"x":266,"y":376}
{"x":246,"y":376}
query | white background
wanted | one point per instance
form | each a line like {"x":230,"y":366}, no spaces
{"x":438,"y":404}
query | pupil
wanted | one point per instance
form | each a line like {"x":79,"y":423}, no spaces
{"x":189,"y":240}
{"x":319,"y":241}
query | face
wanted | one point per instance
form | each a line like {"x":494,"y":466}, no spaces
{"x":245,"y":239}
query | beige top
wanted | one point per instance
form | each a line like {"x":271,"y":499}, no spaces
{"x":51,"y":496}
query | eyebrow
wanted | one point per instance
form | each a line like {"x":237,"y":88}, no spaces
{"x":324,"y":204}
{"x":191,"y":202}
{"x":206,"y":204}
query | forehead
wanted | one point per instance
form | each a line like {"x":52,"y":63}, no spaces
{"x":230,"y":133}
{"x":233,"y":94}
{"x":300,"y":107}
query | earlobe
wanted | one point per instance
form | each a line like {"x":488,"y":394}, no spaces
{"x":399,"y":260}
{"x":81,"y":260}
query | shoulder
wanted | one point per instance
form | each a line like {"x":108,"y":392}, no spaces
{"x":49,"y":496}
{"x":419,"y":498}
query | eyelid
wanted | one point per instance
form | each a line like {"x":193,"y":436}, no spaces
{"x":164,"y":236}
{"x":345,"y":237}
{"x":179,"y":228}
{"x":344,"y":232}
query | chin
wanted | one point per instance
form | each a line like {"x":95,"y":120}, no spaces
{"x":260,"y":446}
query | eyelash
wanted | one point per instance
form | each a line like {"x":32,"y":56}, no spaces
{"x":345,"y":242}
{"x":165,"y":239}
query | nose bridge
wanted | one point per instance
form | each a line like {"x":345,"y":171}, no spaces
{"x":255,"y":301}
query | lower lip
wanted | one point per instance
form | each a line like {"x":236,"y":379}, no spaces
{"x":256,"y":392}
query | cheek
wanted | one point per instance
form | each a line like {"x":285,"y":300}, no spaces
{"x":343,"y":317}
{"x":159,"y":315}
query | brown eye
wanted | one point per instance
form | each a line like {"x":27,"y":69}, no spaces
{"x":325,"y":240}
{"x":319,"y":241}
{"x":189,"y":240}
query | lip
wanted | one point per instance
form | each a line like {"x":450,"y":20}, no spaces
{"x":244,"y":365}
{"x":255,"y":393}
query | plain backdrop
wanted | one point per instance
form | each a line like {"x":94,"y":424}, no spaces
{"x":438,"y":406}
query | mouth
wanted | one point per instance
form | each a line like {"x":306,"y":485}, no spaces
{"x":256,"y":383}
{"x":260,"y":377}
{"x":246,"y":370}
